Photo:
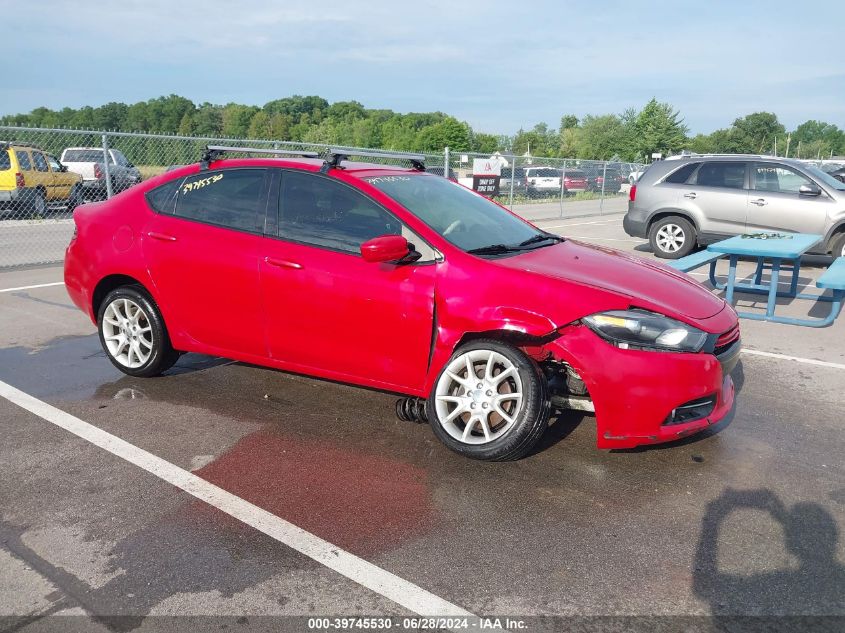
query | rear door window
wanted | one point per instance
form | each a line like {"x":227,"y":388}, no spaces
{"x":23,"y":160}
{"x":727,"y":175}
{"x":5,"y":160}
{"x":230,"y":198}
{"x":40,"y":161}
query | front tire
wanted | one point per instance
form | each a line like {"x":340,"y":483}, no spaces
{"x":489,"y":402}
{"x":672,"y":237}
{"x":838,"y":245}
{"x":133,"y":335}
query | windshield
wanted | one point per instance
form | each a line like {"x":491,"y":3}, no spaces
{"x":463,"y":217}
{"x":827,"y":179}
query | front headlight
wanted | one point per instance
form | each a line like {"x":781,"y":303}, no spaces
{"x":646,"y":330}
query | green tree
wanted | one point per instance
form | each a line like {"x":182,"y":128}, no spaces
{"x":236,"y":119}
{"x":598,"y":137}
{"x":658,"y":128}
{"x":754,"y":134}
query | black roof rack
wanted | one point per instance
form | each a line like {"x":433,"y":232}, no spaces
{"x":214,"y":152}
{"x":336,"y":155}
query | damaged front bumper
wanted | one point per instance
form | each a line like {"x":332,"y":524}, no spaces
{"x":646,"y":397}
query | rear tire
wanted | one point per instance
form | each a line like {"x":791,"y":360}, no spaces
{"x":133,"y":334}
{"x":489,"y":402}
{"x":672,"y":237}
{"x":36,"y":202}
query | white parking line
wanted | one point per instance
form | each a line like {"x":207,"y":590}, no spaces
{"x":56,"y":283}
{"x":376,"y":579}
{"x":797,"y":359}
{"x":563,"y":226}
{"x":608,"y":239}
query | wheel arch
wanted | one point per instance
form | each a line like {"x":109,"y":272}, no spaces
{"x":833,"y":233}
{"x":665,"y":213}
{"x":109,"y":283}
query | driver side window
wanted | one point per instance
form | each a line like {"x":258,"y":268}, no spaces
{"x":322,"y":212}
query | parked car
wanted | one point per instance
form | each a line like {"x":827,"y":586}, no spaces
{"x":681,"y":204}
{"x":403,"y":281}
{"x":839,"y":174}
{"x":89,"y":161}
{"x":542,"y":180}
{"x":598,"y":176}
{"x":574,"y":181}
{"x":519,"y":185}
{"x":636,"y":174}
{"x":30,"y":179}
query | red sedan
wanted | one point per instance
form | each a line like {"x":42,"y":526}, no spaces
{"x":404,"y":281}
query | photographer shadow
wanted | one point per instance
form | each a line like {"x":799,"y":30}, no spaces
{"x":816,"y":587}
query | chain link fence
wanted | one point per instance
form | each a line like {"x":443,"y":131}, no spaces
{"x":46,"y":173}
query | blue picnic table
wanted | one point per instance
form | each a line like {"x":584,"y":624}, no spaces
{"x":775,"y":252}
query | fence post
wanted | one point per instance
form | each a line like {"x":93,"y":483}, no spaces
{"x":562,"y":186}
{"x":513,"y":177}
{"x":446,"y":162}
{"x":109,"y":192}
{"x":603,"y":178}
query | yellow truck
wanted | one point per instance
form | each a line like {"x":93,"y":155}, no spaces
{"x":30,"y":179}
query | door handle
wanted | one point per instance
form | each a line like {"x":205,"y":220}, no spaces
{"x":161,"y":236}
{"x":282,"y":263}
{"x":690,"y":195}
{"x":760,"y":202}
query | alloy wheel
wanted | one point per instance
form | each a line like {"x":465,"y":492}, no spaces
{"x":670,"y":238}
{"x":478,"y":397}
{"x":127,"y":333}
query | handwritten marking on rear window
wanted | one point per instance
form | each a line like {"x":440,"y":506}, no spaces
{"x":199,"y":184}
{"x":379,"y":179}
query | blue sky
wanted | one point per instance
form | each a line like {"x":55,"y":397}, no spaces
{"x":498,"y":65}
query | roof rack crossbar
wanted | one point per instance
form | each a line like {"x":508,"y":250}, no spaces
{"x":336,"y":155}
{"x":214,"y":152}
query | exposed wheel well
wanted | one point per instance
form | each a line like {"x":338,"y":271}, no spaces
{"x":511,"y":337}
{"x":107,"y":284}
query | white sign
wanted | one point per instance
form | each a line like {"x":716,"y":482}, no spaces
{"x":656,"y":155}
{"x":486,"y":167}
{"x":464,"y":158}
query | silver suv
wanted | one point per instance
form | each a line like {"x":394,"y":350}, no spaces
{"x":695,"y":200}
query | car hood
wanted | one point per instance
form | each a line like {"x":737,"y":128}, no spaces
{"x":648,"y":284}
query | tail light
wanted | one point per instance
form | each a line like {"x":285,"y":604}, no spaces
{"x":98,"y":173}
{"x":632,"y":195}
{"x":20,"y":183}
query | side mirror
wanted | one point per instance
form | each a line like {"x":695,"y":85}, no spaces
{"x":385,"y":248}
{"x":62,"y":168}
{"x":809,"y":190}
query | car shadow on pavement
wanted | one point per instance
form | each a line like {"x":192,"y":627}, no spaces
{"x":800,"y":594}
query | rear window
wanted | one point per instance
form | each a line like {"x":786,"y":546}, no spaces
{"x":5,"y":160}
{"x":680,"y":176}
{"x":163,"y":199}
{"x":543,"y":173}
{"x":23,"y":160}
{"x":83,"y":156}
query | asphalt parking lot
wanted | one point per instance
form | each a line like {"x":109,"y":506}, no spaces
{"x":328,"y":505}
